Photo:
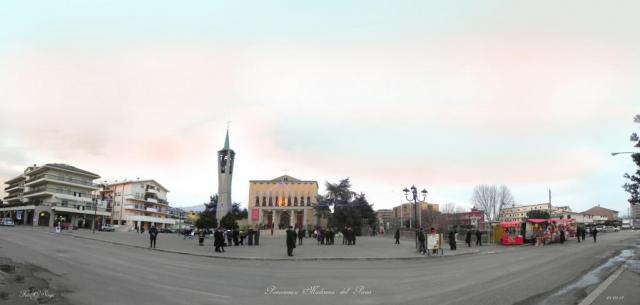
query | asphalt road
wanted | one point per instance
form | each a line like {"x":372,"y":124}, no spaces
{"x":94,"y":272}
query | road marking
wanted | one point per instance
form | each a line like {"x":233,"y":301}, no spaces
{"x":602,"y":287}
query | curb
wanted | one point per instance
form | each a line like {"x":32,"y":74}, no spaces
{"x":280,"y":258}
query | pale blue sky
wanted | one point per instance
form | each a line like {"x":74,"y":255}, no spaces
{"x":444,"y":95}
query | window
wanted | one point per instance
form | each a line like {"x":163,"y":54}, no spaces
{"x":295,"y":201}
{"x":289,"y":201}
{"x":308,"y":201}
{"x":264,"y":200}
{"x":257,"y":200}
{"x":270,"y":201}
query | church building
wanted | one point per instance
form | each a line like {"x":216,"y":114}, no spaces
{"x":282,"y":202}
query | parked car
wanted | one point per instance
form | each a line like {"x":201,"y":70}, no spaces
{"x":7,"y":222}
{"x":107,"y":228}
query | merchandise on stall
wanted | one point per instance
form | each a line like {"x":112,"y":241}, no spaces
{"x":512,"y":233}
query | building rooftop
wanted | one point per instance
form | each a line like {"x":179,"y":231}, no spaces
{"x":281,"y":179}
{"x":126,"y":181}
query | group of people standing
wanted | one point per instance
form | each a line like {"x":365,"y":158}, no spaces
{"x":478,"y":234}
{"x":323,"y":237}
{"x":581,"y":233}
{"x":235,"y":237}
{"x":452,"y":238}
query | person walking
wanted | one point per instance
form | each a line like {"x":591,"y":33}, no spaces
{"x":291,"y":240}
{"x":562,"y":236}
{"x":478,"y":238}
{"x":300,"y":236}
{"x":594,"y":233}
{"x":584,"y":234}
{"x":421,"y":242}
{"x":452,"y":240}
{"x":468,"y":238}
{"x":397,"y":236}
{"x":153,"y":234}
{"x":578,"y":233}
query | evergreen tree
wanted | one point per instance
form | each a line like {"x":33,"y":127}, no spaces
{"x":228,"y":221}
{"x":633,"y":187}
{"x":207,"y":218}
{"x":350,"y":209}
{"x":538,"y":214}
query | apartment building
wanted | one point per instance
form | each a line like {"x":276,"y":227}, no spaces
{"x":55,"y":192}
{"x":405,"y":212}
{"x":518,"y":212}
{"x":138,"y":204}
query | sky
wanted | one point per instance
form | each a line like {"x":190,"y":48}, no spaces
{"x":444,"y":95}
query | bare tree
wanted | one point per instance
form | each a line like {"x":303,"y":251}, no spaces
{"x":448,"y":208}
{"x":461,"y":209}
{"x":490,"y":199}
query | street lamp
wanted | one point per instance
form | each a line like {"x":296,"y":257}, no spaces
{"x":415,"y":199}
{"x":94,"y":199}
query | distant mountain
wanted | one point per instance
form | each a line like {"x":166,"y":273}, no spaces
{"x":195,"y":208}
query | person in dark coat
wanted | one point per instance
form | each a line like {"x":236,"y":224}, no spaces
{"x":578,"y":233}
{"x":478,"y":238}
{"x":153,"y":234}
{"x":250,"y":236}
{"x":468,"y":238}
{"x":584,"y":234}
{"x":218,"y":240}
{"x":562,"y":236}
{"x":452,"y":239}
{"x":594,"y":233}
{"x":236,"y":236}
{"x":397,"y":236}
{"x":300,"y":236}
{"x":291,"y":240}
{"x":256,"y":237}
{"x":421,"y":242}
{"x":353,"y":237}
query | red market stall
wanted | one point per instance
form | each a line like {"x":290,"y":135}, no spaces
{"x":568,"y":224}
{"x":544,"y":231}
{"x":511,"y":235}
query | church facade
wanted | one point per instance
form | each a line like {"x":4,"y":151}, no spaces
{"x":283,"y":201}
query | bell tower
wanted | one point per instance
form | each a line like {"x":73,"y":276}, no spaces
{"x":226,"y":157}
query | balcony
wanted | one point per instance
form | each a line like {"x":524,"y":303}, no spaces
{"x":12,"y":197}
{"x":142,"y":208}
{"x":151,"y":190}
{"x":45,"y":189}
{"x":152,"y":200}
{"x":67,"y":180}
{"x":14,"y":188}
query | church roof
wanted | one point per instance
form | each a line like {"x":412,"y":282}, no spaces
{"x":283,"y":178}
{"x":226,"y":141}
